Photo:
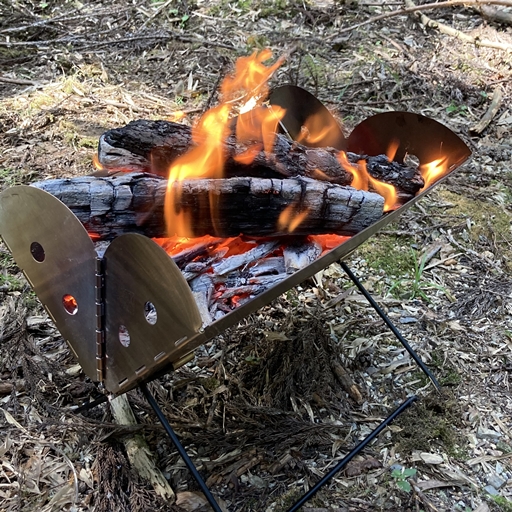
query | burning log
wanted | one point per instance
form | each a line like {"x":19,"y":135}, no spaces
{"x":152,"y":146}
{"x":110,"y":206}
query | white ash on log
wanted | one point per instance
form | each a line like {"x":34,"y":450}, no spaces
{"x":152,"y":146}
{"x":110,"y":206}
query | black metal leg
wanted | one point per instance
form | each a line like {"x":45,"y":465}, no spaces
{"x":183,"y":454}
{"x":91,"y":405}
{"x":391,"y":325}
{"x":352,"y":454}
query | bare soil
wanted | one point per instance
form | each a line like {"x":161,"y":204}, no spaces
{"x":261,"y":409}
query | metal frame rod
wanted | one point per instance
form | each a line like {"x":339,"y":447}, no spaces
{"x":183,"y":454}
{"x":90,"y":405}
{"x":352,"y":454}
{"x":391,"y":325}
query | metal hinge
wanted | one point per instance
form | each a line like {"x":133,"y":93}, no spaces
{"x":99,"y":287}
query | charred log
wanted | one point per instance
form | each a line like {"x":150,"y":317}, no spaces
{"x":110,"y":206}
{"x":152,"y":146}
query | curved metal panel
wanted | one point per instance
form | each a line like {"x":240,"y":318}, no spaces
{"x":412,"y":134}
{"x":305,"y":112}
{"x":149,"y":310}
{"x":58,"y":258}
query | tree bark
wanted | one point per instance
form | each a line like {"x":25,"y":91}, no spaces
{"x":152,"y":146}
{"x":134,"y":202}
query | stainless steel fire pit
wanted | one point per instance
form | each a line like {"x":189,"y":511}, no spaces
{"x":129,"y":314}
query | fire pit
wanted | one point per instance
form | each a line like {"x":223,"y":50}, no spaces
{"x":130,"y":312}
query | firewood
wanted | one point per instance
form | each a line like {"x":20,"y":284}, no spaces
{"x":152,"y":146}
{"x":110,"y":206}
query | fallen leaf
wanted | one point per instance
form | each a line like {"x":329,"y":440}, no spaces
{"x":431,"y":458}
{"x":355,"y":468}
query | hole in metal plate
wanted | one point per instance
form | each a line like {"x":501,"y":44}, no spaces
{"x":37,"y":251}
{"x":70,"y":304}
{"x":124,"y":336}
{"x":150,"y":313}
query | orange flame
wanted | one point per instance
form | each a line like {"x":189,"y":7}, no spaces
{"x":362,"y":181}
{"x":177,"y":116}
{"x":250,"y":76}
{"x":314,"y":130}
{"x":96,"y":162}
{"x":289,"y":219}
{"x":393,"y":148}
{"x":433,"y":171}
{"x":360,"y":174}
{"x":258,"y":127}
{"x":206,"y":158}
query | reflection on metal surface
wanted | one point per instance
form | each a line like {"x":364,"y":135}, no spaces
{"x":141,"y":280}
{"x":305,"y":112}
{"x":416,"y":135}
{"x":58,"y":258}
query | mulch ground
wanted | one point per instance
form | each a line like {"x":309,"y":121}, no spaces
{"x":262,"y":409}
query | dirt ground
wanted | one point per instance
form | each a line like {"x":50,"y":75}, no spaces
{"x":260,"y":409}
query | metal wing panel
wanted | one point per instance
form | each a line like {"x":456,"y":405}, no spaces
{"x":54,"y":251}
{"x":415,"y":134}
{"x":149,"y":310}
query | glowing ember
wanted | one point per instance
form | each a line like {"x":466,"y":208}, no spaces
{"x":433,"y":171}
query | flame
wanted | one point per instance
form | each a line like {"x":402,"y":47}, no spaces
{"x":360,"y":174}
{"x":96,"y":162}
{"x":433,"y":171}
{"x":206,"y":158}
{"x":314,"y":130}
{"x":250,"y":76}
{"x":362,"y":181}
{"x":289,"y":219}
{"x":179,"y":115}
{"x":259,"y":126}
{"x":393,"y":148}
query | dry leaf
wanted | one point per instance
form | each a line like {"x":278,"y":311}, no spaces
{"x":355,"y":468}
{"x":431,"y":458}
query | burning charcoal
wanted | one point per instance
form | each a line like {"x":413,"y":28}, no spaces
{"x":183,"y":258}
{"x":240,"y":260}
{"x":273,"y":265}
{"x":299,"y":256}
{"x":252,"y":290}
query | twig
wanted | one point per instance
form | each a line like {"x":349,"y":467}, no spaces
{"x":414,"y":8}
{"x":63,"y":19}
{"x":138,"y":451}
{"x":445,"y":29}
{"x":18,"y":81}
{"x":496,"y":100}
{"x":156,"y":13}
{"x":87,"y":44}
